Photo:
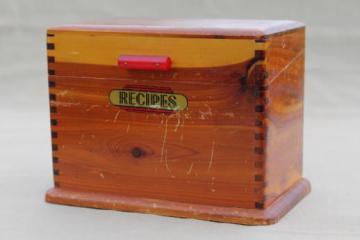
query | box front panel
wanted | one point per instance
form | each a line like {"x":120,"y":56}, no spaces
{"x":183,"y":135}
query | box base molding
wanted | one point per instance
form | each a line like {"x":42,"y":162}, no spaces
{"x":270,"y":215}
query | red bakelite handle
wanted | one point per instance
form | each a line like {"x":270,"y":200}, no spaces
{"x":140,"y":62}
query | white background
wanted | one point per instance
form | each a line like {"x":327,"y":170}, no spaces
{"x":332,"y":118}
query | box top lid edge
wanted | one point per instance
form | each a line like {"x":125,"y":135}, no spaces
{"x":206,"y":27}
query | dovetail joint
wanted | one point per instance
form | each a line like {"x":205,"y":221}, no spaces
{"x":55,"y":159}
{"x":52,"y":97}
{"x":259,"y":108}
{"x":259,"y":123}
{"x":51,"y":72}
{"x":54,"y":134}
{"x":54,"y":122}
{"x":51,"y":59}
{"x":55,"y":147}
{"x":56,"y":172}
{"x":259,"y":205}
{"x":260,"y":54}
{"x":259,"y":150}
{"x":50,"y":46}
{"x":52,"y":84}
{"x":259,"y":136}
{"x":53,"y":109}
{"x":259,"y":178}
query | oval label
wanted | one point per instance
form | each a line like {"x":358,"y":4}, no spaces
{"x":148,"y":100}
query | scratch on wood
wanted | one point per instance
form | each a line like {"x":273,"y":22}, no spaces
{"x":66,"y":104}
{"x":211,"y":156}
{"x":182,"y":128}
{"x":166,"y":161}
{"x":164,"y":140}
{"x":286,"y":66}
{"x":190,"y":168}
{"x":212,"y":180}
{"x":205,"y":114}
{"x":209,"y":109}
{"x":81,"y":138}
{"x":74,"y":53}
{"x":178,"y":116}
{"x":229,"y":114}
{"x":91,"y":107}
{"x":128,"y":128}
{"x":63,"y":93}
{"x":116,"y":116}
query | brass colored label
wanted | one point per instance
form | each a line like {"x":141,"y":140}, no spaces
{"x":148,"y":100}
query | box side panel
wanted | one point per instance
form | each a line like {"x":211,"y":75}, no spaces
{"x":284,"y":97}
{"x":206,"y":154}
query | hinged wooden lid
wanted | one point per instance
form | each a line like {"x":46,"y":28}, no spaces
{"x":194,"y":27}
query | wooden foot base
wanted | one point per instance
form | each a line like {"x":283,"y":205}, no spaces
{"x":270,"y":215}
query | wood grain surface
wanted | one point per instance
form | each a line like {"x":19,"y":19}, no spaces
{"x":237,"y":145}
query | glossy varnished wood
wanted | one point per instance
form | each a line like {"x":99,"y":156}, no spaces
{"x":284,"y":112}
{"x":195,"y":152}
{"x":236,"y":148}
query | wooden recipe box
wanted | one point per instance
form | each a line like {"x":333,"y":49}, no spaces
{"x":188,"y":118}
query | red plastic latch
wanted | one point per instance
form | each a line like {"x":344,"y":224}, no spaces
{"x":140,"y":62}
